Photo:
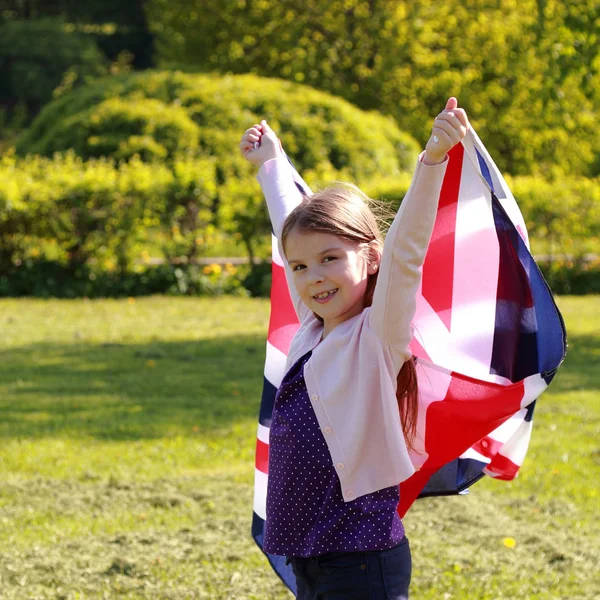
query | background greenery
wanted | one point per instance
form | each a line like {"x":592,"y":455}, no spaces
{"x":526,"y":71}
{"x":127,"y":427}
{"x":127,"y":434}
{"x":141,"y":166}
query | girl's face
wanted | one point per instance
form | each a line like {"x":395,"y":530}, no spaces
{"x":330,"y":274}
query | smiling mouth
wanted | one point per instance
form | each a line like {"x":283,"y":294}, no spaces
{"x":324,"y":296}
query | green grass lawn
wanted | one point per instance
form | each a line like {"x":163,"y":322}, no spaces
{"x":127,"y":432}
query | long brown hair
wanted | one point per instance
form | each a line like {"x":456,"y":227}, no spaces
{"x":344,"y":210}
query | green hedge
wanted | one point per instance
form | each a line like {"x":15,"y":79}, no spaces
{"x":71,"y":227}
{"x":77,"y":211}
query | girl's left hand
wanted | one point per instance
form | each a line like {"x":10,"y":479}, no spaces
{"x":449,"y":128}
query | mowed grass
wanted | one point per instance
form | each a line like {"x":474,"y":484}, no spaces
{"x":127,"y":433}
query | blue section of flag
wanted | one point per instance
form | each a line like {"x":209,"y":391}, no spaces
{"x":530,"y":335}
{"x":485,"y":170}
{"x":267,"y":402}
{"x":279,"y":563}
{"x":454,"y":478}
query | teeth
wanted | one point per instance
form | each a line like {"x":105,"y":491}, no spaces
{"x":325,"y":294}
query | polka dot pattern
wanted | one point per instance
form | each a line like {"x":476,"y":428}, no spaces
{"x":306,"y":513}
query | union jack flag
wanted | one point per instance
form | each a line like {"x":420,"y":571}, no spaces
{"x":488,"y":339}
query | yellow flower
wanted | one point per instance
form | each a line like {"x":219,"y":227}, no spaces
{"x":213,"y":269}
{"x":509,"y":542}
{"x":130,"y":300}
{"x":230,"y":269}
{"x":150,"y":363}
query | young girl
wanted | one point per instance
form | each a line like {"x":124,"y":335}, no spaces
{"x":338,"y":445}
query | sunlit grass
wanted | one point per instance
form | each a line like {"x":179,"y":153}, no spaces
{"x":127,"y":432}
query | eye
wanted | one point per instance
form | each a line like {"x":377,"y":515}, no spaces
{"x":298,"y":267}
{"x":329,"y":258}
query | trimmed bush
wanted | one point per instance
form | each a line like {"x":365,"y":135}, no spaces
{"x":207,"y":114}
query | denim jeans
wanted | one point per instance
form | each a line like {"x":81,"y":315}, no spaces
{"x":373,"y":575}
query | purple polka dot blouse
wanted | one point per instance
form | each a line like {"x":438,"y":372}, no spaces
{"x":306,"y":514}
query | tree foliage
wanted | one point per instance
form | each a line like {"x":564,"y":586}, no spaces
{"x":36,"y":56}
{"x":115,"y":26}
{"x":527,"y":72}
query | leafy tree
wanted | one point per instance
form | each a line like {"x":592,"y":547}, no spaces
{"x":526,"y":71}
{"x":116,"y":26}
{"x":36,"y":55}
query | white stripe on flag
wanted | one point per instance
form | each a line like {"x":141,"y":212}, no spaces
{"x":260,"y":493}
{"x":275,"y":255}
{"x":275,"y":365}
{"x":516,"y":447}
{"x":476,"y":262}
{"x":534,"y":386}
{"x":470,"y":453}
{"x":263,"y":434}
{"x":509,"y":427}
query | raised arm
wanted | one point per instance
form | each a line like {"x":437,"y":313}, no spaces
{"x":394,"y":300}
{"x":261,"y":147}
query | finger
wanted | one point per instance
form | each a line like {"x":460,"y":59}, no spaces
{"x":452,"y":119}
{"x":452,"y":103}
{"x":246,"y":146}
{"x":462,"y":116}
{"x":447,"y":128}
{"x":252,"y":137}
{"x":266,"y":128}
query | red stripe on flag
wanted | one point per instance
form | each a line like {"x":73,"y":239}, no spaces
{"x":283,"y":323}
{"x":438,"y":269}
{"x":470,"y":410}
{"x":503,"y":468}
{"x":262,"y":456}
{"x":411,"y":488}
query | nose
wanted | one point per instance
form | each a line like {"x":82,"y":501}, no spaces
{"x":315,"y":276}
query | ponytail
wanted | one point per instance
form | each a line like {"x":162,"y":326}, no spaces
{"x":407,"y":395}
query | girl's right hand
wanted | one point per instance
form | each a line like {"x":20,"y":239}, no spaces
{"x":260,"y":144}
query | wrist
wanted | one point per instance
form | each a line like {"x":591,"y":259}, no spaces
{"x":431,"y":158}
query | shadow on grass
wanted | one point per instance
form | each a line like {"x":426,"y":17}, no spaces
{"x":134,"y":392}
{"x":128,"y":391}
{"x":581,"y":369}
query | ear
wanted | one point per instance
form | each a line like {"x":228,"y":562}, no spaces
{"x":373,"y":257}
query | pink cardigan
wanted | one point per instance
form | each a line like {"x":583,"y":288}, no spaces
{"x":351,"y":375}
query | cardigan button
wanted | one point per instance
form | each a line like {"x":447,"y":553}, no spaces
{"x":314,"y":397}
{"x":327,"y":429}
{"x":340,"y":466}
{"x":349,"y":494}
